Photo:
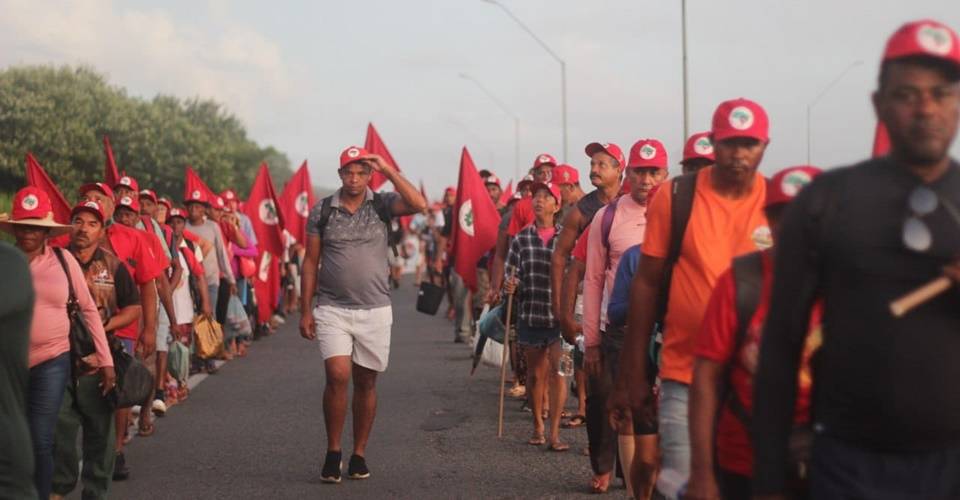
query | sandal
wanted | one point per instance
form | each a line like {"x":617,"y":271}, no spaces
{"x":537,"y":440}
{"x":147,"y":430}
{"x":600,"y":484}
{"x":574,"y":422}
{"x":558,"y":446}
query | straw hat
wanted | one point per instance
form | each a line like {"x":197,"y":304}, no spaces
{"x":32,"y":207}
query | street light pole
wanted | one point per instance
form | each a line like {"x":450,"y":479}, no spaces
{"x":505,"y":109}
{"x":563,"y":69}
{"x":822,"y":93}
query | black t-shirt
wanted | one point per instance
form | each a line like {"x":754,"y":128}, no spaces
{"x":588,"y":206}
{"x":879,"y":382}
{"x":447,"y":229}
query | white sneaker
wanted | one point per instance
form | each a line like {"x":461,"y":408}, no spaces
{"x":159,"y":407}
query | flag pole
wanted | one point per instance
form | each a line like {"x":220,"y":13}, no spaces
{"x":506,"y":351}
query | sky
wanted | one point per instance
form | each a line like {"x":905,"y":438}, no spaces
{"x":308,"y":75}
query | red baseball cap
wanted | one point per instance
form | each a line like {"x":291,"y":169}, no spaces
{"x":96,"y":186}
{"x":785,"y":184}
{"x":228,"y":195}
{"x":554,"y":189}
{"x":647,"y":153}
{"x":89,"y":206}
{"x":492,"y":179}
{"x":740,"y":118}
{"x":197,"y":196}
{"x":129,"y":202}
{"x":165,"y":202}
{"x":565,"y":174}
{"x":177,"y":212}
{"x":698,"y":145}
{"x":218,"y":203}
{"x":450,"y":190}
{"x":148,"y":193}
{"x":526,"y":181}
{"x":925,"y":37}
{"x":544,"y":159}
{"x":352,"y":154}
{"x":607,"y":147}
{"x":127,"y":182}
{"x":32,"y":207}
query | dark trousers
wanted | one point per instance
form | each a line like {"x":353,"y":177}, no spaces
{"x":602,"y":437}
{"x":842,"y":470}
{"x":47,"y":383}
{"x":223,"y":299}
{"x":84,"y":408}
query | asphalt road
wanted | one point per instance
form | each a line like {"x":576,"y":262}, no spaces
{"x":255,"y":429}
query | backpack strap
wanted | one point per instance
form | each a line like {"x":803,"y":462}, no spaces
{"x":71,"y":295}
{"x":606,"y":225}
{"x":326,"y":208}
{"x":383,"y":211}
{"x":748,"y":284}
{"x":681,"y":206}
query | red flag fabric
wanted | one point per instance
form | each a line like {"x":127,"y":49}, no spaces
{"x":111,"y":176}
{"x":295,"y":203}
{"x":37,"y":177}
{"x":192,"y":183}
{"x":261,"y":207}
{"x":374,"y":144}
{"x":881,"y":140}
{"x":507,"y":194}
{"x":266,"y":285}
{"x":475,"y":221}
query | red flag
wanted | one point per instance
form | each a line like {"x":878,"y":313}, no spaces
{"x":507,"y":194}
{"x":295,"y":203}
{"x":881,"y":140}
{"x":375,"y":145}
{"x":261,"y":207}
{"x":193,"y":182}
{"x":475,"y":221}
{"x":37,"y":177}
{"x":266,"y":285}
{"x":111,"y":176}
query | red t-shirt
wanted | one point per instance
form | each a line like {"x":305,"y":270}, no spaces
{"x":134,"y":248}
{"x":522,"y":216}
{"x":715,"y":342}
{"x":580,"y":249}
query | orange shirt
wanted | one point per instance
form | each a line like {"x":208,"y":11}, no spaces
{"x":719,"y":230}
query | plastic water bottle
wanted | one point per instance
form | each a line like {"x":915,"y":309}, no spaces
{"x":565,"y":368}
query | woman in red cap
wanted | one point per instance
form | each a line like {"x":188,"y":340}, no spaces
{"x":31,"y":223}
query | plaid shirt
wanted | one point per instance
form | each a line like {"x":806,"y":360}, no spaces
{"x":531,"y":258}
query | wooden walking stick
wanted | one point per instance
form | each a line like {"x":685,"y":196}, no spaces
{"x":921,"y":295}
{"x":506,"y":354}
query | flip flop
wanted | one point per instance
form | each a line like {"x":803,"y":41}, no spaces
{"x":558,"y":447}
{"x":600,"y":484}
{"x":537,"y":440}
{"x":574,"y":422}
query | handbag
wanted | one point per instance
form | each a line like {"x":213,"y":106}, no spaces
{"x":429,"y":298}
{"x":178,"y":361}
{"x":209,"y":337}
{"x":83,"y":352}
{"x":135,"y":383}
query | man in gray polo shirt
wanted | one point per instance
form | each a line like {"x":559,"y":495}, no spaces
{"x":346,"y":233}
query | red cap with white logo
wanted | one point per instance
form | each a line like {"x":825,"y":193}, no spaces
{"x":740,"y":118}
{"x":32,"y":207}
{"x":606,"y":147}
{"x":127,"y":182}
{"x":177,"y":212}
{"x":524,"y":183}
{"x":647,"y":153}
{"x":544,"y":159}
{"x":165,"y":202}
{"x":352,"y":154}
{"x":492,"y":179}
{"x":96,"y":186}
{"x":129,"y":202}
{"x":784,"y":186}
{"x":924,"y":38}
{"x":554,"y":189}
{"x":92,"y":207}
{"x":228,"y":195}
{"x":149,"y":194}
{"x":565,"y":174}
{"x":698,"y":146}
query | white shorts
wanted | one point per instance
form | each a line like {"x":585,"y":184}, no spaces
{"x":362,"y":334}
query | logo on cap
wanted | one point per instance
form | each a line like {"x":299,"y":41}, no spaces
{"x":268,"y":212}
{"x":566,"y":176}
{"x":466,"y":217}
{"x":545,"y":159}
{"x":195,"y":194}
{"x":30,"y":202}
{"x":934,"y":39}
{"x":228,"y":195}
{"x":741,"y":118}
{"x":794,"y":181}
{"x":92,"y":204}
{"x":301,"y":204}
{"x":353,"y":152}
{"x":126,"y":201}
{"x":703,"y":146}
{"x":647,"y":152}
{"x":125,"y":181}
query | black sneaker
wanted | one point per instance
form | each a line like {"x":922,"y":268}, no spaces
{"x":120,"y":470}
{"x":358,"y":468}
{"x":331,"y":467}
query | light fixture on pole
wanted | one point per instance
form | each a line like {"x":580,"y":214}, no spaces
{"x":516,"y":121}
{"x":563,"y":69}
{"x":822,"y":93}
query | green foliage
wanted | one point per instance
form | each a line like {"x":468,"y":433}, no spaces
{"x":61,"y":115}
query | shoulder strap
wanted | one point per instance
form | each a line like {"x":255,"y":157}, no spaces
{"x":681,"y":206}
{"x":326,"y":208}
{"x":71,"y":296}
{"x":748,"y":282}
{"x":383,"y":211}
{"x":606,"y":225}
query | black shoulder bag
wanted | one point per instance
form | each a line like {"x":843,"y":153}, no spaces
{"x":82,"y":348}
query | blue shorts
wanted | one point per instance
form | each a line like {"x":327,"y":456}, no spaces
{"x":128,"y":345}
{"x":537,"y":337}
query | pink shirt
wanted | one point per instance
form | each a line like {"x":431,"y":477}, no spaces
{"x":627,"y":230}
{"x":50,"y":330}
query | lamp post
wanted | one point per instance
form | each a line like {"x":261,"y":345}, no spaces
{"x":563,"y":69}
{"x":505,"y":109}
{"x":822,"y":93}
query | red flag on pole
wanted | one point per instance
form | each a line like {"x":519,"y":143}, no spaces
{"x":507,"y":194}
{"x":193,"y":183}
{"x":295,"y":203}
{"x":475,"y":221}
{"x":375,"y":145}
{"x":111,"y":176}
{"x":38,"y":178}
{"x":881,"y":140}
{"x":267,"y":220}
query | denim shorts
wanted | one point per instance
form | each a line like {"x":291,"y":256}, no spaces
{"x":535,"y":336}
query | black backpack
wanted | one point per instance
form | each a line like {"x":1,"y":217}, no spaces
{"x":383,"y":212}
